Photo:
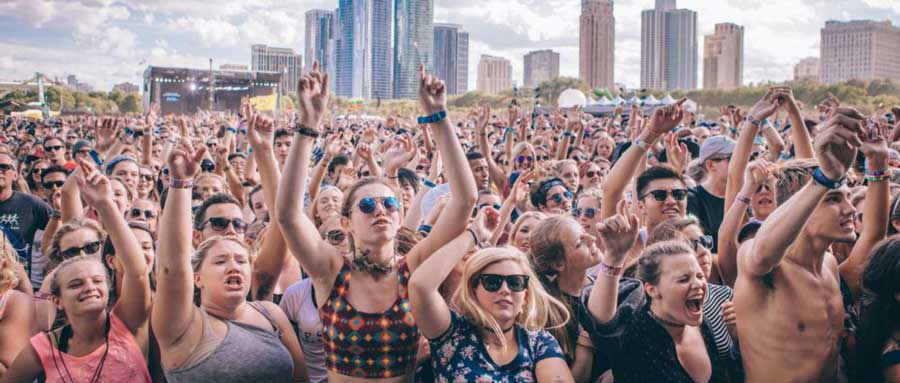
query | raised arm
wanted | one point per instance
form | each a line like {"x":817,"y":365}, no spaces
{"x":876,"y":211}
{"x":749,"y":128}
{"x":173,"y":310}
{"x":836,"y":148}
{"x":618,"y":232}
{"x":519,"y":194}
{"x":134,"y":303}
{"x":431,"y":311}
{"x":799,"y":135}
{"x":628,"y":165}
{"x":317,"y":257}
{"x":433,"y":99}
{"x":497,"y":174}
{"x":754,"y":175}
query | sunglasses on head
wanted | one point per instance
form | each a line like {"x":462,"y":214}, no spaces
{"x":660,"y":195}
{"x":559,"y":197}
{"x":136,"y":213}
{"x":220,"y":224}
{"x":493,"y":282}
{"x":6,"y":167}
{"x":89,"y":248}
{"x":369,"y":204}
{"x":335,"y":237}
{"x":53,"y":148}
{"x":704,"y":240}
{"x":588,"y":212}
{"x":52,"y":184}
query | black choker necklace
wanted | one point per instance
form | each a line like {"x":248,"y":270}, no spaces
{"x":504,"y":330}
{"x":663,"y":321}
{"x":362,"y":262}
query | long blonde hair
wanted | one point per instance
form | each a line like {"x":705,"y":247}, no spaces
{"x":521,"y":220}
{"x":538,"y":310}
{"x":9,"y":258}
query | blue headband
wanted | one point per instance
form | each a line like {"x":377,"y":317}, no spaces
{"x":115,"y":161}
{"x":549,"y":185}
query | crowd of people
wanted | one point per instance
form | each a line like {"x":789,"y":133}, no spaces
{"x":469,"y":246}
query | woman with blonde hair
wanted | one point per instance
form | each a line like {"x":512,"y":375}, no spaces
{"x":520,"y":237}
{"x":16,"y":308}
{"x":495,"y":328}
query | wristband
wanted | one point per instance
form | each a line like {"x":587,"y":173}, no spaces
{"x":875,"y":173}
{"x":173,"y":140}
{"x":642,"y":144}
{"x":230,"y":129}
{"x":478,"y":243}
{"x":828,"y":183}
{"x":243,"y":131}
{"x":742,"y":199}
{"x":55,"y":214}
{"x":424,"y":228}
{"x":440,"y":115}
{"x":754,"y":121}
{"x":305,"y":131}
{"x":613,"y":271}
{"x":181,"y":183}
{"x":510,"y":130}
{"x":42,"y":296}
{"x":567,"y":134}
{"x":428,"y":183}
{"x":877,"y":178}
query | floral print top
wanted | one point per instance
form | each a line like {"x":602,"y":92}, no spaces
{"x":459,"y":355}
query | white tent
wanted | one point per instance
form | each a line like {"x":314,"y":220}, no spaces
{"x":604,"y":101}
{"x":650,"y":100}
{"x":667,"y":100}
{"x":618,"y":101}
{"x":634,"y":101}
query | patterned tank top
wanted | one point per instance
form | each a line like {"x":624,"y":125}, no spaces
{"x":369,"y":345}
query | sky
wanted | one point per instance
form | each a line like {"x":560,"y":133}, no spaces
{"x":105,"y":42}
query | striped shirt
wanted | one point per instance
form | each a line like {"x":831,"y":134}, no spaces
{"x":712,"y":314}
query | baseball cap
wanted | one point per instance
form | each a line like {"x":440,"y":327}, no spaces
{"x":79,"y":145}
{"x":715,"y":145}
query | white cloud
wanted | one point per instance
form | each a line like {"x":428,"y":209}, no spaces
{"x":213,"y":33}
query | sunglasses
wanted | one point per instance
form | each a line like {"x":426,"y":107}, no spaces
{"x":704,"y":240}
{"x":335,"y":237}
{"x":493,"y":282}
{"x":420,"y":167}
{"x":136,"y":213}
{"x":475,"y":210}
{"x":593,"y":173}
{"x":720,"y":159}
{"x":559,"y":197}
{"x":220,"y":224}
{"x":660,"y":195}
{"x":89,"y":248}
{"x":523,"y":159}
{"x":146,"y":177}
{"x":52,"y":184}
{"x":367,"y":205}
{"x":6,"y":167}
{"x":588,"y":212}
{"x":33,"y":171}
{"x":53,"y":148}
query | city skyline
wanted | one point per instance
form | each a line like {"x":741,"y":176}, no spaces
{"x":110,"y":42}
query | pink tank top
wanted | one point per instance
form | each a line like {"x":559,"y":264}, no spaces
{"x":124,"y":362}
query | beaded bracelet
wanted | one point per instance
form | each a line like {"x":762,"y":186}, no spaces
{"x":742,"y":199}
{"x":879,"y":178}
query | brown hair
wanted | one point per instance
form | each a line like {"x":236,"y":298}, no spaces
{"x":671,"y":229}
{"x":55,"y":258}
{"x":792,"y":175}
{"x":650,"y":262}
{"x":547,"y":250}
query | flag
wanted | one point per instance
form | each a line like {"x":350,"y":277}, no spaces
{"x":264,"y":103}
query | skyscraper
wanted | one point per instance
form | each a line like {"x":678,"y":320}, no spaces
{"x":807,"y":69}
{"x":540,"y":66}
{"x":462,"y":62}
{"x":363,"y":52}
{"x":413,"y":39}
{"x":451,"y":56}
{"x":320,"y":41}
{"x":264,"y":58}
{"x":494,"y":74}
{"x":596,"y":43}
{"x":668,"y":47}
{"x":859,"y":49}
{"x":723,"y":57}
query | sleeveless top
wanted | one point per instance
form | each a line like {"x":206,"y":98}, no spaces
{"x":247,"y":353}
{"x":369,"y":345}
{"x":124,"y":361}
{"x":298,"y":303}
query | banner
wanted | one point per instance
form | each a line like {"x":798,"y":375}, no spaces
{"x":264,"y":103}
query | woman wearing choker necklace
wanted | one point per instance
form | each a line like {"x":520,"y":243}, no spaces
{"x":653,"y":331}
{"x":495,"y":330}
{"x":369,"y":331}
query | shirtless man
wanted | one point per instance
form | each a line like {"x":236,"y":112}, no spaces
{"x":787,"y":295}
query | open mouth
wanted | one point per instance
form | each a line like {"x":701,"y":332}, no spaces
{"x":694,"y":306}
{"x":89,"y":296}
{"x":381,"y":222}
{"x":234,"y":282}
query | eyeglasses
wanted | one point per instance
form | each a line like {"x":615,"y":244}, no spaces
{"x":421,"y":167}
{"x":136,"y":213}
{"x":559,"y":197}
{"x":367,"y":205}
{"x":763,"y":186}
{"x":53,"y":184}
{"x":146,"y":177}
{"x":476,"y":209}
{"x":660,"y":195}
{"x":493,"y":282}
{"x":84,"y":152}
{"x":593,"y":173}
{"x":220,"y":224}
{"x":335,"y":237}
{"x":33,"y":171}
{"x":6,"y":167}
{"x":704,"y":240}
{"x":89,"y":248}
{"x":588,"y":212}
{"x":720,"y":159}
{"x":53,"y":148}
{"x":522,"y":159}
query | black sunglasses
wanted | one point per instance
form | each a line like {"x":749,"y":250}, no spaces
{"x":146,"y":177}
{"x":704,"y":240}
{"x":367,"y":205}
{"x":475,"y":211}
{"x":89,"y":248}
{"x":136,"y":213}
{"x":33,"y":171}
{"x":588,"y":212}
{"x":6,"y":167}
{"x":559,"y":197}
{"x":220,"y":224}
{"x":493,"y":282}
{"x":53,"y":148}
{"x":51,"y":184}
{"x":335,"y":237}
{"x":592,"y":173}
{"x":660,"y":195}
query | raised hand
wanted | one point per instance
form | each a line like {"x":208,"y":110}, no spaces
{"x":312,"y":97}
{"x":837,"y":143}
{"x":666,"y":118}
{"x":486,"y":221}
{"x":260,"y":130}
{"x":184,"y":161}
{"x":513,"y":113}
{"x":401,"y":152}
{"x":483,"y":116}
{"x":95,"y":187}
{"x":769,"y":103}
{"x":619,"y":233}
{"x":677,"y":154}
{"x":432,"y":92}
{"x":874,"y":145}
{"x":108,"y":131}
{"x":522,"y":188}
{"x":756,"y":173}
{"x":364,"y":151}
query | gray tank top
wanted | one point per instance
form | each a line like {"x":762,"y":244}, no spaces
{"x":247,"y":353}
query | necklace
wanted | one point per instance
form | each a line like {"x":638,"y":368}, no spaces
{"x":663,"y":321}
{"x":362,"y":262}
